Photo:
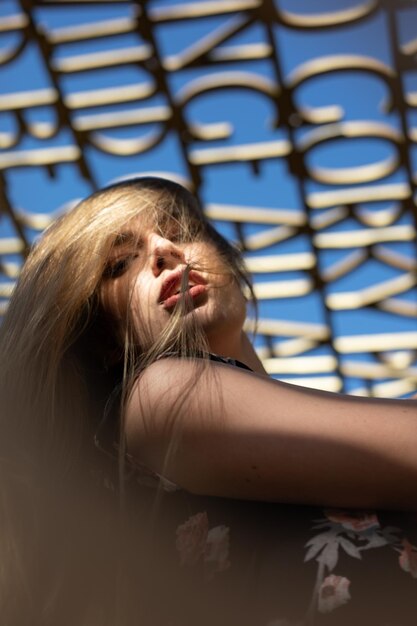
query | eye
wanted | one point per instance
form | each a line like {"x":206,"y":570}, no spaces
{"x":117,"y":267}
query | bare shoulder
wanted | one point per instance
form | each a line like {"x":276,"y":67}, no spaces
{"x":181,"y":411}
{"x":189,"y":388}
{"x":217,"y":430}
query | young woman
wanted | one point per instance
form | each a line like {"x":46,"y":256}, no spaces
{"x":123,"y":353}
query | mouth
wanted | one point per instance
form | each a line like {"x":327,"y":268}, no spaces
{"x":171,"y":291}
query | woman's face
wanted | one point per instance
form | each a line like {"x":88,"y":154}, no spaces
{"x":145,"y":278}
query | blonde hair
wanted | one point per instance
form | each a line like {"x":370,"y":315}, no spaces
{"x":58,"y":367}
{"x":56,"y":302}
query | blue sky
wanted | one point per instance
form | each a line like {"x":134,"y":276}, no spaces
{"x":252,"y":116}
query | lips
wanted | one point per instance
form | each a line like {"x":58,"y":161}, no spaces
{"x":171,"y":287}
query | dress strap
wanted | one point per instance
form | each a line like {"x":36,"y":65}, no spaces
{"x":207,"y":355}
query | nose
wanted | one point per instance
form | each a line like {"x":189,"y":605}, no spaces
{"x":164,"y":254}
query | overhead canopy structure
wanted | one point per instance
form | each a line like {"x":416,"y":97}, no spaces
{"x":295,"y":122}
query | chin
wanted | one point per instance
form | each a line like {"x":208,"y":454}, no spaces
{"x":217,"y":323}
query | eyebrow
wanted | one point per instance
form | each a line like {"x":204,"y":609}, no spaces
{"x":124,"y":238}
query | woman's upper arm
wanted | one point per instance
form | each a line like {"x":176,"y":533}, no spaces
{"x":217,"y":430}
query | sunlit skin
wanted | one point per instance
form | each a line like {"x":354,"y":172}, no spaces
{"x":307,"y":446}
{"x":145,"y":261}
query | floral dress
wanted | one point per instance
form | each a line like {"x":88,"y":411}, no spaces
{"x":229,"y":562}
{"x":263,"y":564}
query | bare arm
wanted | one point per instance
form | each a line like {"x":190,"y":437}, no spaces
{"x":232,"y":433}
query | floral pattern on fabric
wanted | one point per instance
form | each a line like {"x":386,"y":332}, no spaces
{"x":351,"y":533}
{"x":216,"y":556}
{"x":196,"y":543}
{"x":408,"y":558}
{"x":333,"y":592}
{"x":192,"y":538}
{"x":354,"y":532}
{"x":339,"y":541}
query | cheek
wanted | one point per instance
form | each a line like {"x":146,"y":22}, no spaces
{"x":146,"y":315}
{"x":229,"y":302}
{"x":126,"y":301}
{"x":140,"y":301}
{"x":238,"y":303}
{"x":114,"y":297}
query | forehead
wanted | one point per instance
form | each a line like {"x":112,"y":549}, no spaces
{"x":143,"y":224}
{"x":166,"y":223}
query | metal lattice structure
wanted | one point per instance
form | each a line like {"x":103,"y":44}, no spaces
{"x":349,"y":218}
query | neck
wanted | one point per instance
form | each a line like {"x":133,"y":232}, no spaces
{"x":239,"y":348}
